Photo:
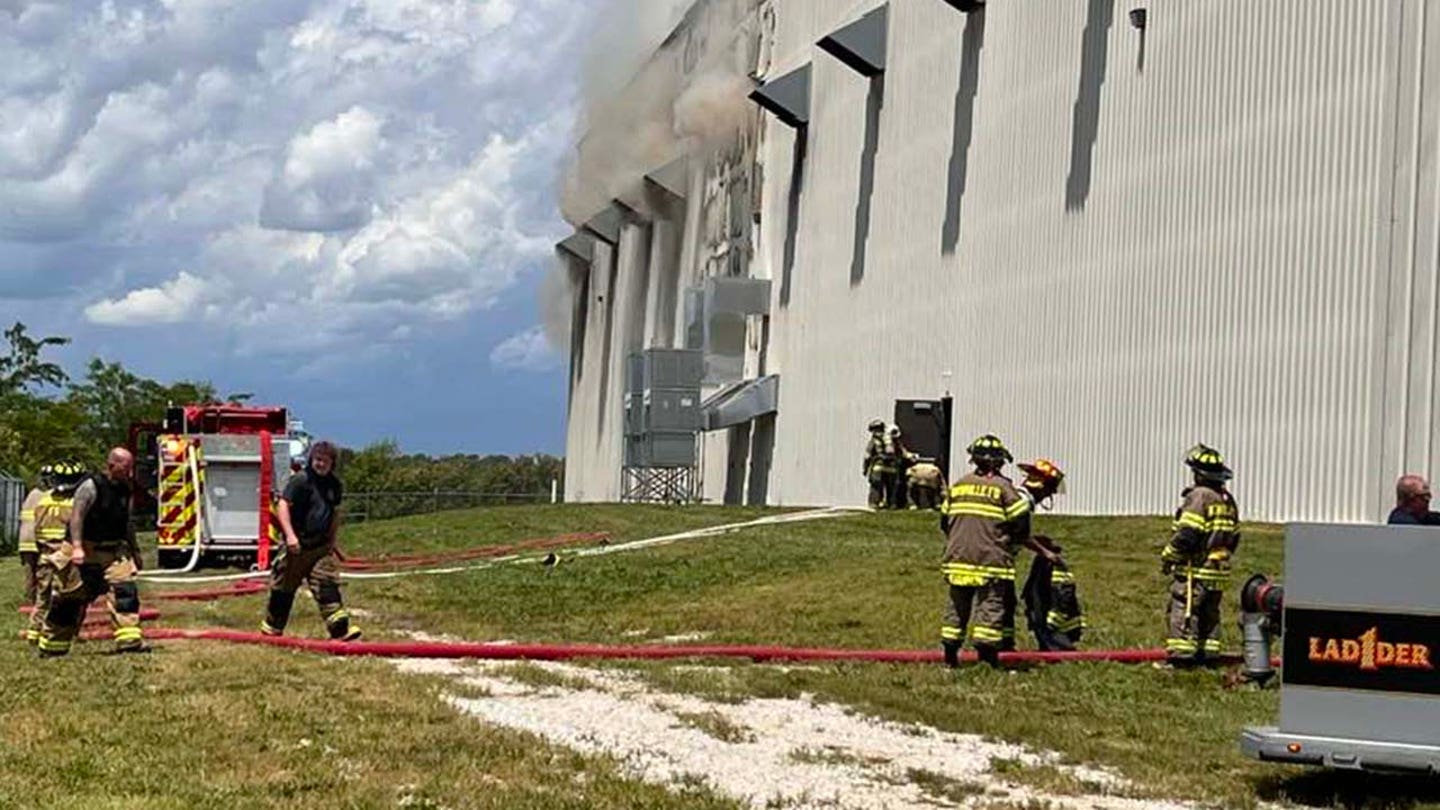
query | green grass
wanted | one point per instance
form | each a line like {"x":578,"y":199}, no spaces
{"x":945,"y":788}
{"x":868,"y":581}
{"x":716,"y":725}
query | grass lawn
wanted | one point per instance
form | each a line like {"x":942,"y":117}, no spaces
{"x":202,"y":721}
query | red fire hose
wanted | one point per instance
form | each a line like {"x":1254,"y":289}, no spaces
{"x":350,"y":563}
{"x":569,"y":652}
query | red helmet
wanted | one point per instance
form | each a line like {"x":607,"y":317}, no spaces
{"x":1042,"y":473}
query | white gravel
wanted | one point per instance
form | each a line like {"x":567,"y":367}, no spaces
{"x":790,"y":753}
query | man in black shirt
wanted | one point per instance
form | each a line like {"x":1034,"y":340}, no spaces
{"x":103,"y":558}
{"x":309,"y":517}
{"x":1412,"y":503}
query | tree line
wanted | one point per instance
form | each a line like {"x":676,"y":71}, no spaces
{"x":45,"y":415}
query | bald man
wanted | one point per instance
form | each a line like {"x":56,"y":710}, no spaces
{"x":104,"y":559}
{"x":1412,"y":503}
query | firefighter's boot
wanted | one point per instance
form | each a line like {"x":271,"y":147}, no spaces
{"x":277,"y":613}
{"x":338,"y":623}
{"x":952,"y":653}
{"x":989,"y":654}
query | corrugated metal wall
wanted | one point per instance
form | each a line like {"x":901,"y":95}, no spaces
{"x":1191,"y":239}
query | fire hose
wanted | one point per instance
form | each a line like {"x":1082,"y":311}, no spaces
{"x":351,"y":563}
{"x":202,"y":517}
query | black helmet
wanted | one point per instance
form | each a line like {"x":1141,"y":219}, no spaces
{"x":67,"y":473}
{"x":876,"y":425}
{"x":1207,"y":463}
{"x":989,"y":448}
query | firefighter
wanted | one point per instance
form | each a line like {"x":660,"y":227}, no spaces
{"x":309,"y":517}
{"x":926,"y":483}
{"x":57,"y":577}
{"x":1052,"y":608}
{"x":29,"y":551}
{"x":104,"y":559}
{"x":1052,"y":604}
{"x":1198,"y":559}
{"x":984,"y":519}
{"x":881,"y":466}
{"x":903,"y":460}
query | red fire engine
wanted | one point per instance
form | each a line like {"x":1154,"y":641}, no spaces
{"x":210,"y":475}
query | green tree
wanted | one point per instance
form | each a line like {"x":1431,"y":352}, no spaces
{"x":112,"y":398}
{"x":22,"y":369}
{"x":33,"y":430}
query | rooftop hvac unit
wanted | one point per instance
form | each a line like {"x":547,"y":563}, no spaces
{"x":667,"y":368}
{"x":661,"y":450}
{"x":668,"y":410}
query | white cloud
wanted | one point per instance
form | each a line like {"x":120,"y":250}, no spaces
{"x":333,"y":148}
{"x":526,"y":351}
{"x":374,"y":167}
{"x":174,"y":301}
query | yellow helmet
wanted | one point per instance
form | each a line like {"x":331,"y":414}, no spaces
{"x":1207,"y":463}
{"x":989,"y":448}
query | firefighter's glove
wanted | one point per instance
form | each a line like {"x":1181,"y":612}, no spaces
{"x":1167,"y":567}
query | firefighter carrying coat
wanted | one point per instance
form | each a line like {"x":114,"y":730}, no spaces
{"x":100,"y":525}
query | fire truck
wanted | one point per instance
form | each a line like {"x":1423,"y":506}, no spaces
{"x":1359,"y":616}
{"x":210,"y":476}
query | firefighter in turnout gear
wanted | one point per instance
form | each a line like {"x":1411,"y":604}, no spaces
{"x":29,"y":550}
{"x":899,"y":494}
{"x":882,"y":466}
{"x":51,"y":528}
{"x":1198,"y":559}
{"x":53,"y":499}
{"x":1052,"y":608}
{"x":985,"y":521}
{"x":927,"y":482}
{"x":103,"y":559}
{"x":308,"y":512}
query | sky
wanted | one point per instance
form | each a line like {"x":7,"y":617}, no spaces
{"x":347,"y":207}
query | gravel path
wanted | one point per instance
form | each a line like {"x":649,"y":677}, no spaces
{"x":766,"y":752}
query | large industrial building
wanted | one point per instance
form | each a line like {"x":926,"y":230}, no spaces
{"x":1110,"y":230}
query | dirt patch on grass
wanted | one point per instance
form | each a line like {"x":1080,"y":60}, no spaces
{"x":771,"y":752}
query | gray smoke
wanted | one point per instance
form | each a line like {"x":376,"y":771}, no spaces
{"x":638,"y":117}
{"x":639,"y":114}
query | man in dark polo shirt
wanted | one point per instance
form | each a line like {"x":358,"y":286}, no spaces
{"x":310,"y":518}
{"x":1412,"y":503}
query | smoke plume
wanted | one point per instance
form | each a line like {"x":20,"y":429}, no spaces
{"x":647,"y":105}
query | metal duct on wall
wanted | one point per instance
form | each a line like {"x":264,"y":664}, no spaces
{"x":787,"y":97}
{"x":861,"y":45}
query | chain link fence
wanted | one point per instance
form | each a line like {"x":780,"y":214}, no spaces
{"x":12,"y":494}
{"x":362,"y":506}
